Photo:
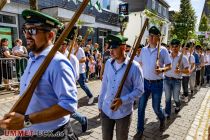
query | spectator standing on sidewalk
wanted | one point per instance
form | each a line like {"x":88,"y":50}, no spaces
{"x":7,"y":64}
{"x":22,"y":52}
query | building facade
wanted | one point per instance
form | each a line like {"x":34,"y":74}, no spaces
{"x":103,"y":23}
{"x":137,"y":15}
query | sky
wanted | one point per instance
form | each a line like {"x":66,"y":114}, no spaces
{"x":196,"y":4}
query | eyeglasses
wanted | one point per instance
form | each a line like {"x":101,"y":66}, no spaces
{"x":34,"y":30}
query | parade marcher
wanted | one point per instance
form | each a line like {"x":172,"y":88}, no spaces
{"x":137,"y":57}
{"x":203,"y":63}
{"x":22,"y":52}
{"x":153,"y":79}
{"x":173,"y":77}
{"x":188,"y":78}
{"x":132,"y":89}
{"x":208,"y":67}
{"x":75,"y":63}
{"x":80,"y":54}
{"x":55,"y":96}
{"x":128,"y":50}
{"x":198,"y":66}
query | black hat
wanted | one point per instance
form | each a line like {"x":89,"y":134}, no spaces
{"x":70,"y":35}
{"x":198,"y":47}
{"x":35,"y":17}
{"x":116,"y":40}
{"x":175,"y":42}
{"x":154,"y":30}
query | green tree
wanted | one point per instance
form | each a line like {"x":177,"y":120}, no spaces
{"x":184,"y":21}
{"x":203,"y":24}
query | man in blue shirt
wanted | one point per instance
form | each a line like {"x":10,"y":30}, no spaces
{"x":132,"y":89}
{"x":55,"y":96}
{"x":153,"y":78}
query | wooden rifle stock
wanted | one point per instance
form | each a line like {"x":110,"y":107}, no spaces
{"x":181,"y":56}
{"x":132,"y":48}
{"x":22,"y":103}
{"x":73,"y":43}
{"x":158,"y":53}
{"x":118,"y":94}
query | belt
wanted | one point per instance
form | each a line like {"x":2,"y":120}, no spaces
{"x":172,"y":78}
{"x":153,"y":81}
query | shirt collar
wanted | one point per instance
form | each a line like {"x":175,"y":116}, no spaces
{"x":125,"y":62}
{"x":45,"y":52}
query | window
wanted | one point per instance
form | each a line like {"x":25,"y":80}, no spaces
{"x":153,"y":4}
{"x":164,"y":11}
{"x":159,"y":8}
{"x":106,"y":4}
{"x":7,"y":19}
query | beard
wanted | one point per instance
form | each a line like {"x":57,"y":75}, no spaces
{"x":34,"y":47}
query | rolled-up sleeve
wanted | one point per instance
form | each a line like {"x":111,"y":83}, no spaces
{"x":64,"y":85}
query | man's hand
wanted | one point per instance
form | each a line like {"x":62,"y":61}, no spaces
{"x":12,"y":121}
{"x":159,"y":71}
{"x":116,"y":104}
{"x":177,"y":71}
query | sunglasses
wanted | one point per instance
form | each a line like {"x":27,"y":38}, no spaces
{"x":34,"y":30}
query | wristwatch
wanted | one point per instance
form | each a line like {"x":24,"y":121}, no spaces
{"x":27,"y":122}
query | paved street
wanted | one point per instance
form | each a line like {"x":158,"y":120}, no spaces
{"x":190,"y":123}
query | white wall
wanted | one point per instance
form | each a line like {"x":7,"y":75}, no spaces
{"x":134,"y":26}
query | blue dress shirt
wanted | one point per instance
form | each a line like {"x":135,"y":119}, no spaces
{"x":133,"y":88}
{"x":56,"y":86}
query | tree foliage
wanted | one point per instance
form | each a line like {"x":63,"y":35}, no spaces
{"x":203,"y":24}
{"x":184,"y":21}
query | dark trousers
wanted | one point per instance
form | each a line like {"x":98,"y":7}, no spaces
{"x":198,"y":75}
{"x":65,"y":132}
{"x":122,"y":127}
{"x":185,"y":81}
{"x":83,"y":85}
{"x":208,"y":73}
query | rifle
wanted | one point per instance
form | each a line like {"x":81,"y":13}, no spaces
{"x":73,"y":43}
{"x":158,"y":53}
{"x":181,"y":56}
{"x":132,"y":48}
{"x":118,"y":94}
{"x":22,"y":103}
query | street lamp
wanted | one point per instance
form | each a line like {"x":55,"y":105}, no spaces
{"x":121,"y":20}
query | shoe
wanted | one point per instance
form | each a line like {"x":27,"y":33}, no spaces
{"x":177,"y":109}
{"x":162,"y":125}
{"x":85,"y":125}
{"x":91,"y":100}
{"x":138,"y":136}
{"x":182,"y":97}
{"x":186,"y":99}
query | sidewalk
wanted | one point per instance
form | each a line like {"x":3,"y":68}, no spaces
{"x":178,"y":128}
